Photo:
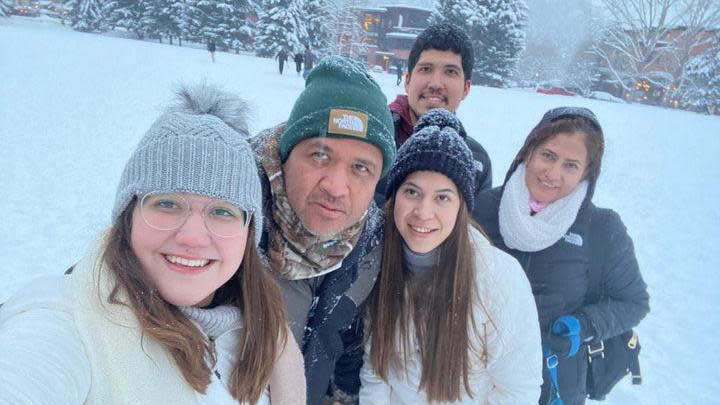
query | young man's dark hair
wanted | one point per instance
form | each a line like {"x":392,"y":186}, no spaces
{"x":444,"y":37}
{"x":434,"y":80}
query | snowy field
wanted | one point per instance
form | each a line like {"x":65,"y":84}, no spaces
{"x":73,"y":106}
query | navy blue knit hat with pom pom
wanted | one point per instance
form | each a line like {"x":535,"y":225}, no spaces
{"x":436,"y":146}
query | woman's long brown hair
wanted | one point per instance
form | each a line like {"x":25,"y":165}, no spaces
{"x":252,"y":289}
{"x":439,"y":305}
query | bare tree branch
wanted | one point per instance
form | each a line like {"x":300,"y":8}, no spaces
{"x":654,"y":39}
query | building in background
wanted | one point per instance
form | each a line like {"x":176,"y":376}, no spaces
{"x":390,"y":33}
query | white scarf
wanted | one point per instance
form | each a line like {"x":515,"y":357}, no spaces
{"x":532,"y":233}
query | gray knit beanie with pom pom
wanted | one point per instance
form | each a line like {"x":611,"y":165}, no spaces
{"x":436,"y":146}
{"x":198,"y":146}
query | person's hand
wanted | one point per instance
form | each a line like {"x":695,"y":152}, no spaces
{"x":560,"y":345}
{"x":567,"y":333}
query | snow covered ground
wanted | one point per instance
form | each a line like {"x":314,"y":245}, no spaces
{"x":73,"y":106}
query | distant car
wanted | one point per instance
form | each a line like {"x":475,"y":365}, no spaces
{"x":378,"y":69}
{"x":556,"y":90}
{"x":601,"y":95}
{"x":25,"y":11}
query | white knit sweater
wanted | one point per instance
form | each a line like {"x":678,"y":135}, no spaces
{"x":513,"y":374}
{"x":62,"y":344}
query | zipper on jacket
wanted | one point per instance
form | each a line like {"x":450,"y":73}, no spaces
{"x":527,"y":263}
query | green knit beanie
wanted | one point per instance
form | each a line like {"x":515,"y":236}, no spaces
{"x":341,"y":100}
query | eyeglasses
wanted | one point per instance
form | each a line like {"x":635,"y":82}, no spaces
{"x":167,"y":212}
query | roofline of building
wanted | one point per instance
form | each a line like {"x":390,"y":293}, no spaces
{"x":371,"y":9}
{"x":408,"y":7}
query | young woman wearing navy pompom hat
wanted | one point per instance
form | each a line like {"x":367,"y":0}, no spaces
{"x":451,"y":318}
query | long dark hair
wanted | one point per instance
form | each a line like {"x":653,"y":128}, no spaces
{"x":439,"y":305}
{"x":252,"y":289}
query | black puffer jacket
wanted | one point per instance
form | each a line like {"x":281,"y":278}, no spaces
{"x":560,"y":277}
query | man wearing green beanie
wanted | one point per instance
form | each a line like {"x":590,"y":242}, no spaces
{"x":319,"y":172}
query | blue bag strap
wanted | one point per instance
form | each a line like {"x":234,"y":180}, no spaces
{"x":551,"y":362}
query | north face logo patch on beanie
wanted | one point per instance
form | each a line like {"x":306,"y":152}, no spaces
{"x":348,"y":122}
{"x":341,"y":99}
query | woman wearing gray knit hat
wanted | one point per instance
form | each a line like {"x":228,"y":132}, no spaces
{"x":451,"y":318}
{"x":579,"y":258}
{"x":174,"y":304}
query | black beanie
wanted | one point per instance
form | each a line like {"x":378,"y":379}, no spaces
{"x":570,"y":112}
{"x":436,"y":146}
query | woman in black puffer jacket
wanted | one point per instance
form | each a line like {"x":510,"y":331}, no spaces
{"x":543,"y":215}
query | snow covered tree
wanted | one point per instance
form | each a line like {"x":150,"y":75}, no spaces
{"x":191,"y":20}
{"x":701,"y":88}
{"x":279,"y":26}
{"x":213,"y":18}
{"x":86,"y":15}
{"x":5,"y":8}
{"x":583,"y":70}
{"x":557,"y":42}
{"x":653,"y":40}
{"x":346,"y":34}
{"x":317,"y":23}
{"x":159,"y":20}
{"x":496,"y":28}
{"x":460,"y":13}
{"x":700,"y":18}
{"x":227,"y":23}
{"x":498,"y":44}
{"x":126,"y":14}
{"x":242,"y":27}
{"x":177,"y":23}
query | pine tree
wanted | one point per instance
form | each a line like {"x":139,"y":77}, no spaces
{"x":86,"y":15}
{"x":181,"y":16}
{"x":212,"y":22}
{"x":160,"y":20}
{"x":347,"y":36}
{"x":5,"y":8}
{"x":317,"y":23}
{"x":187,"y":20}
{"x":126,"y":14}
{"x":223,"y":22}
{"x":279,"y":27}
{"x":498,"y":44}
{"x":496,"y":30}
{"x":242,"y":28}
{"x":460,"y":13}
{"x":701,"y":87}
{"x":191,"y":20}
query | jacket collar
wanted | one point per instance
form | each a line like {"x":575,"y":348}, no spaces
{"x":400,"y":108}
